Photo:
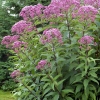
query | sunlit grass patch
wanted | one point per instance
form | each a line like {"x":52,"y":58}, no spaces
{"x":6,"y":95}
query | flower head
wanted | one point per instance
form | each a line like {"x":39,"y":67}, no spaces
{"x":85,"y":40}
{"x":95,"y":3}
{"x":31,"y":11}
{"x":8,"y":40}
{"x":87,"y":13}
{"x":15,"y":73}
{"x":17,"y":45}
{"x":21,"y":27}
{"x":51,"y":34}
{"x":41,"y":64}
{"x":59,"y":7}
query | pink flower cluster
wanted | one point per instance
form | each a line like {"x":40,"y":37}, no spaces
{"x":51,"y":34}
{"x":31,"y":11}
{"x":8,"y":40}
{"x":18,"y":44}
{"x":41,"y":64}
{"x":87,"y":13}
{"x":95,"y":3}
{"x":21,"y":27}
{"x":15,"y":73}
{"x":60,"y":7}
{"x":85,"y":40}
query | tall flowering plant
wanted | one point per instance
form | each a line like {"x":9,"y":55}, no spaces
{"x":58,"y":47}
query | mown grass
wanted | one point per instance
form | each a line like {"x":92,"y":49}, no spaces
{"x":6,"y":95}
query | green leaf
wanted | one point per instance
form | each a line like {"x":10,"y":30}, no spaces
{"x":56,"y":97}
{"x":69,"y":98}
{"x":55,"y":78}
{"x":45,"y":86}
{"x":93,"y":73}
{"x":66,"y":91}
{"x":93,"y":96}
{"x":78,"y":88}
{"x":85,"y":83}
{"x":94,"y":80}
{"x":60,"y":82}
{"x":52,"y":86}
{"x":84,"y":97}
{"x":50,"y":94}
{"x":79,"y":66}
{"x":46,"y":90}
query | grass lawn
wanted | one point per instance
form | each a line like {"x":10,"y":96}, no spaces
{"x":6,"y":95}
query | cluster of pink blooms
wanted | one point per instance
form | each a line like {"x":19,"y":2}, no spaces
{"x":15,"y":73}
{"x":41,"y":64}
{"x":85,"y":40}
{"x":95,"y":3}
{"x":8,"y":40}
{"x":31,"y":11}
{"x":21,"y":27}
{"x":86,"y":13}
{"x":57,"y":7}
{"x":51,"y":34}
{"x":18,"y":44}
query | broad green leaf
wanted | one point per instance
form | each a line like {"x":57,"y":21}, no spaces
{"x":66,"y":91}
{"x":78,"y":88}
{"x":93,"y":96}
{"x":93,"y":73}
{"x":80,"y":66}
{"x":60,"y":82}
{"x":56,"y":97}
{"x":94,"y":80}
{"x":46,"y":90}
{"x":46,"y":85}
{"x":85,"y":83}
{"x":57,"y":76}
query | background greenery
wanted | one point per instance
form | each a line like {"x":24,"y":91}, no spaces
{"x":9,"y":10}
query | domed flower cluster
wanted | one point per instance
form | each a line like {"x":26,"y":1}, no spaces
{"x":87,"y":12}
{"x":85,"y":40}
{"x":8,"y":40}
{"x":22,"y":26}
{"x":41,"y":64}
{"x":95,"y":3}
{"x":31,"y":11}
{"x":17,"y":45}
{"x":50,"y":35}
{"x":15,"y":73}
{"x":59,"y":7}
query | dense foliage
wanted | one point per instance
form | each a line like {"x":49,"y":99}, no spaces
{"x":9,"y":10}
{"x":58,"y":50}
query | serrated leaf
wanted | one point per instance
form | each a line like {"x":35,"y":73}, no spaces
{"x":50,"y":94}
{"x":66,"y":91}
{"x":93,"y":73}
{"x":46,"y":90}
{"x":45,"y":86}
{"x":55,"y":78}
{"x":56,"y":97}
{"x":85,"y":83}
{"x":52,"y":86}
{"x":94,"y":80}
{"x":79,"y":66}
{"x":93,"y":96}
{"x":60,"y":82}
{"x":78,"y":89}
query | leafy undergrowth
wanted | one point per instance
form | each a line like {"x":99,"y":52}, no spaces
{"x":6,"y":95}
